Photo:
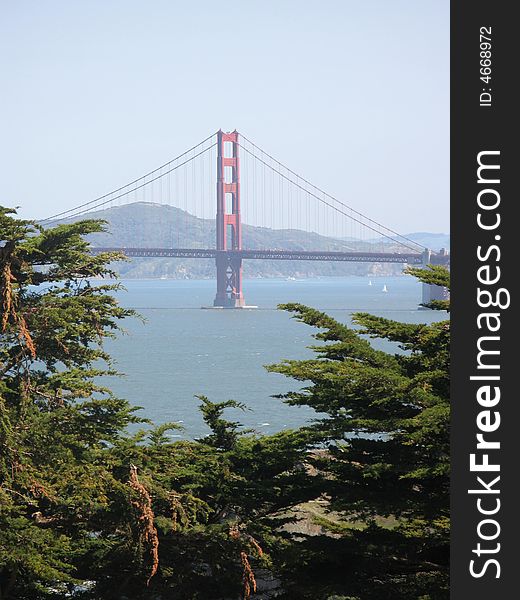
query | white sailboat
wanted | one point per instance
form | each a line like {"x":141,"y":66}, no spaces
{"x":369,"y":282}
{"x":384,"y":288}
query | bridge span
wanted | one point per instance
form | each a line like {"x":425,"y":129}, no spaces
{"x":363,"y":257}
{"x":278,"y":201}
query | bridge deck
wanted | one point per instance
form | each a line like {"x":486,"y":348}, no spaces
{"x":386,"y":257}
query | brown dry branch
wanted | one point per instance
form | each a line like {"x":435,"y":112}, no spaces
{"x":25,"y":336}
{"x":9,"y":305}
{"x":248,"y":577}
{"x":148,"y":531}
{"x":62,"y":346}
{"x":234,"y":533}
{"x":6,"y":287}
{"x":255,"y":545}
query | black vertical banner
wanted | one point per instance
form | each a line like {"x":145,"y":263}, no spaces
{"x":485,"y":401}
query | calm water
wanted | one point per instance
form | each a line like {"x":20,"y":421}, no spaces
{"x":181,"y":350}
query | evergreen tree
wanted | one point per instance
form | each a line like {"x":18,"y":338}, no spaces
{"x":387,"y":460}
{"x":55,"y":420}
{"x":90,"y":511}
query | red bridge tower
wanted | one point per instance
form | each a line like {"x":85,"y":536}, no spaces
{"x":229,"y":227}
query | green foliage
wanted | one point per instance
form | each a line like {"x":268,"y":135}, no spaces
{"x":387,"y":455}
{"x":225,"y":433}
{"x":433,"y":275}
{"x":90,"y":511}
{"x":55,"y":419}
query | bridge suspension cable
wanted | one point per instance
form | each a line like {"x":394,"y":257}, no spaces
{"x":360,"y":218}
{"x":284,"y":201}
{"x":108,"y":197}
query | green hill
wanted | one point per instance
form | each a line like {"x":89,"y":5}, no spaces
{"x":145,"y":224}
{"x":434,"y":241}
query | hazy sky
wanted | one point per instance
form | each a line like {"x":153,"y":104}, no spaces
{"x":354,"y":95}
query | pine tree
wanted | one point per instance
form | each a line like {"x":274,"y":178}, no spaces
{"x":91,"y":511}
{"x":55,"y":420}
{"x":88,"y":509}
{"x":387,"y":460}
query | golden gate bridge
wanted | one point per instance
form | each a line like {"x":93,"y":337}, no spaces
{"x":252,"y":188}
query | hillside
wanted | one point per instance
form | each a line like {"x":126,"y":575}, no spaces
{"x":434,"y":241}
{"x":153,"y":225}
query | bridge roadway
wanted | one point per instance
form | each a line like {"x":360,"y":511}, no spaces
{"x":385,"y":257}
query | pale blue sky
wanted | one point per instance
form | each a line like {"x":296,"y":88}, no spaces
{"x":354,"y":95}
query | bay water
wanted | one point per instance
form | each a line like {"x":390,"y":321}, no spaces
{"x":181,"y":350}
